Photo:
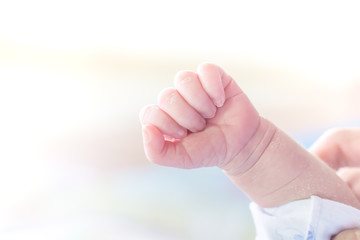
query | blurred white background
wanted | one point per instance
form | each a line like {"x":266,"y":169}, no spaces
{"x":74,"y":75}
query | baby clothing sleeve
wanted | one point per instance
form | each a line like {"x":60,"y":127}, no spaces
{"x":309,"y":219}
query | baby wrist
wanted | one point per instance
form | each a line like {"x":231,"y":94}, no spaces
{"x":253,"y":150}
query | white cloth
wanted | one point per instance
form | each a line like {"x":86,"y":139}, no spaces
{"x":309,"y":219}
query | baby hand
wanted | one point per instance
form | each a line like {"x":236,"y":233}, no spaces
{"x":206,"y":120}
{"x":339,"y":148}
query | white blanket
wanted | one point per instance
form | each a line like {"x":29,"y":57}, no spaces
{"x":309,"y":219}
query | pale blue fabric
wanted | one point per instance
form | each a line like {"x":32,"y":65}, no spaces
{"x":310,"y":219}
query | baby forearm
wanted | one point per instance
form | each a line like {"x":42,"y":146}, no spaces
{"x":279,"y":171}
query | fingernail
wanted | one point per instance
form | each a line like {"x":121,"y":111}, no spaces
{"x":181,"y":132}
{"x":219,"y":102}
{"x":209,"y":115}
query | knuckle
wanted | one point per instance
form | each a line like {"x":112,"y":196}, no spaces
{"x":206,"y":66}
{"x":184,"y":77}
{"x":143,"y":112}
{"x":146,"y":112}
{"x":167,"y":96}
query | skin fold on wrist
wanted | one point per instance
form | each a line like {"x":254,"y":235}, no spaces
{"x":278,"y":170}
